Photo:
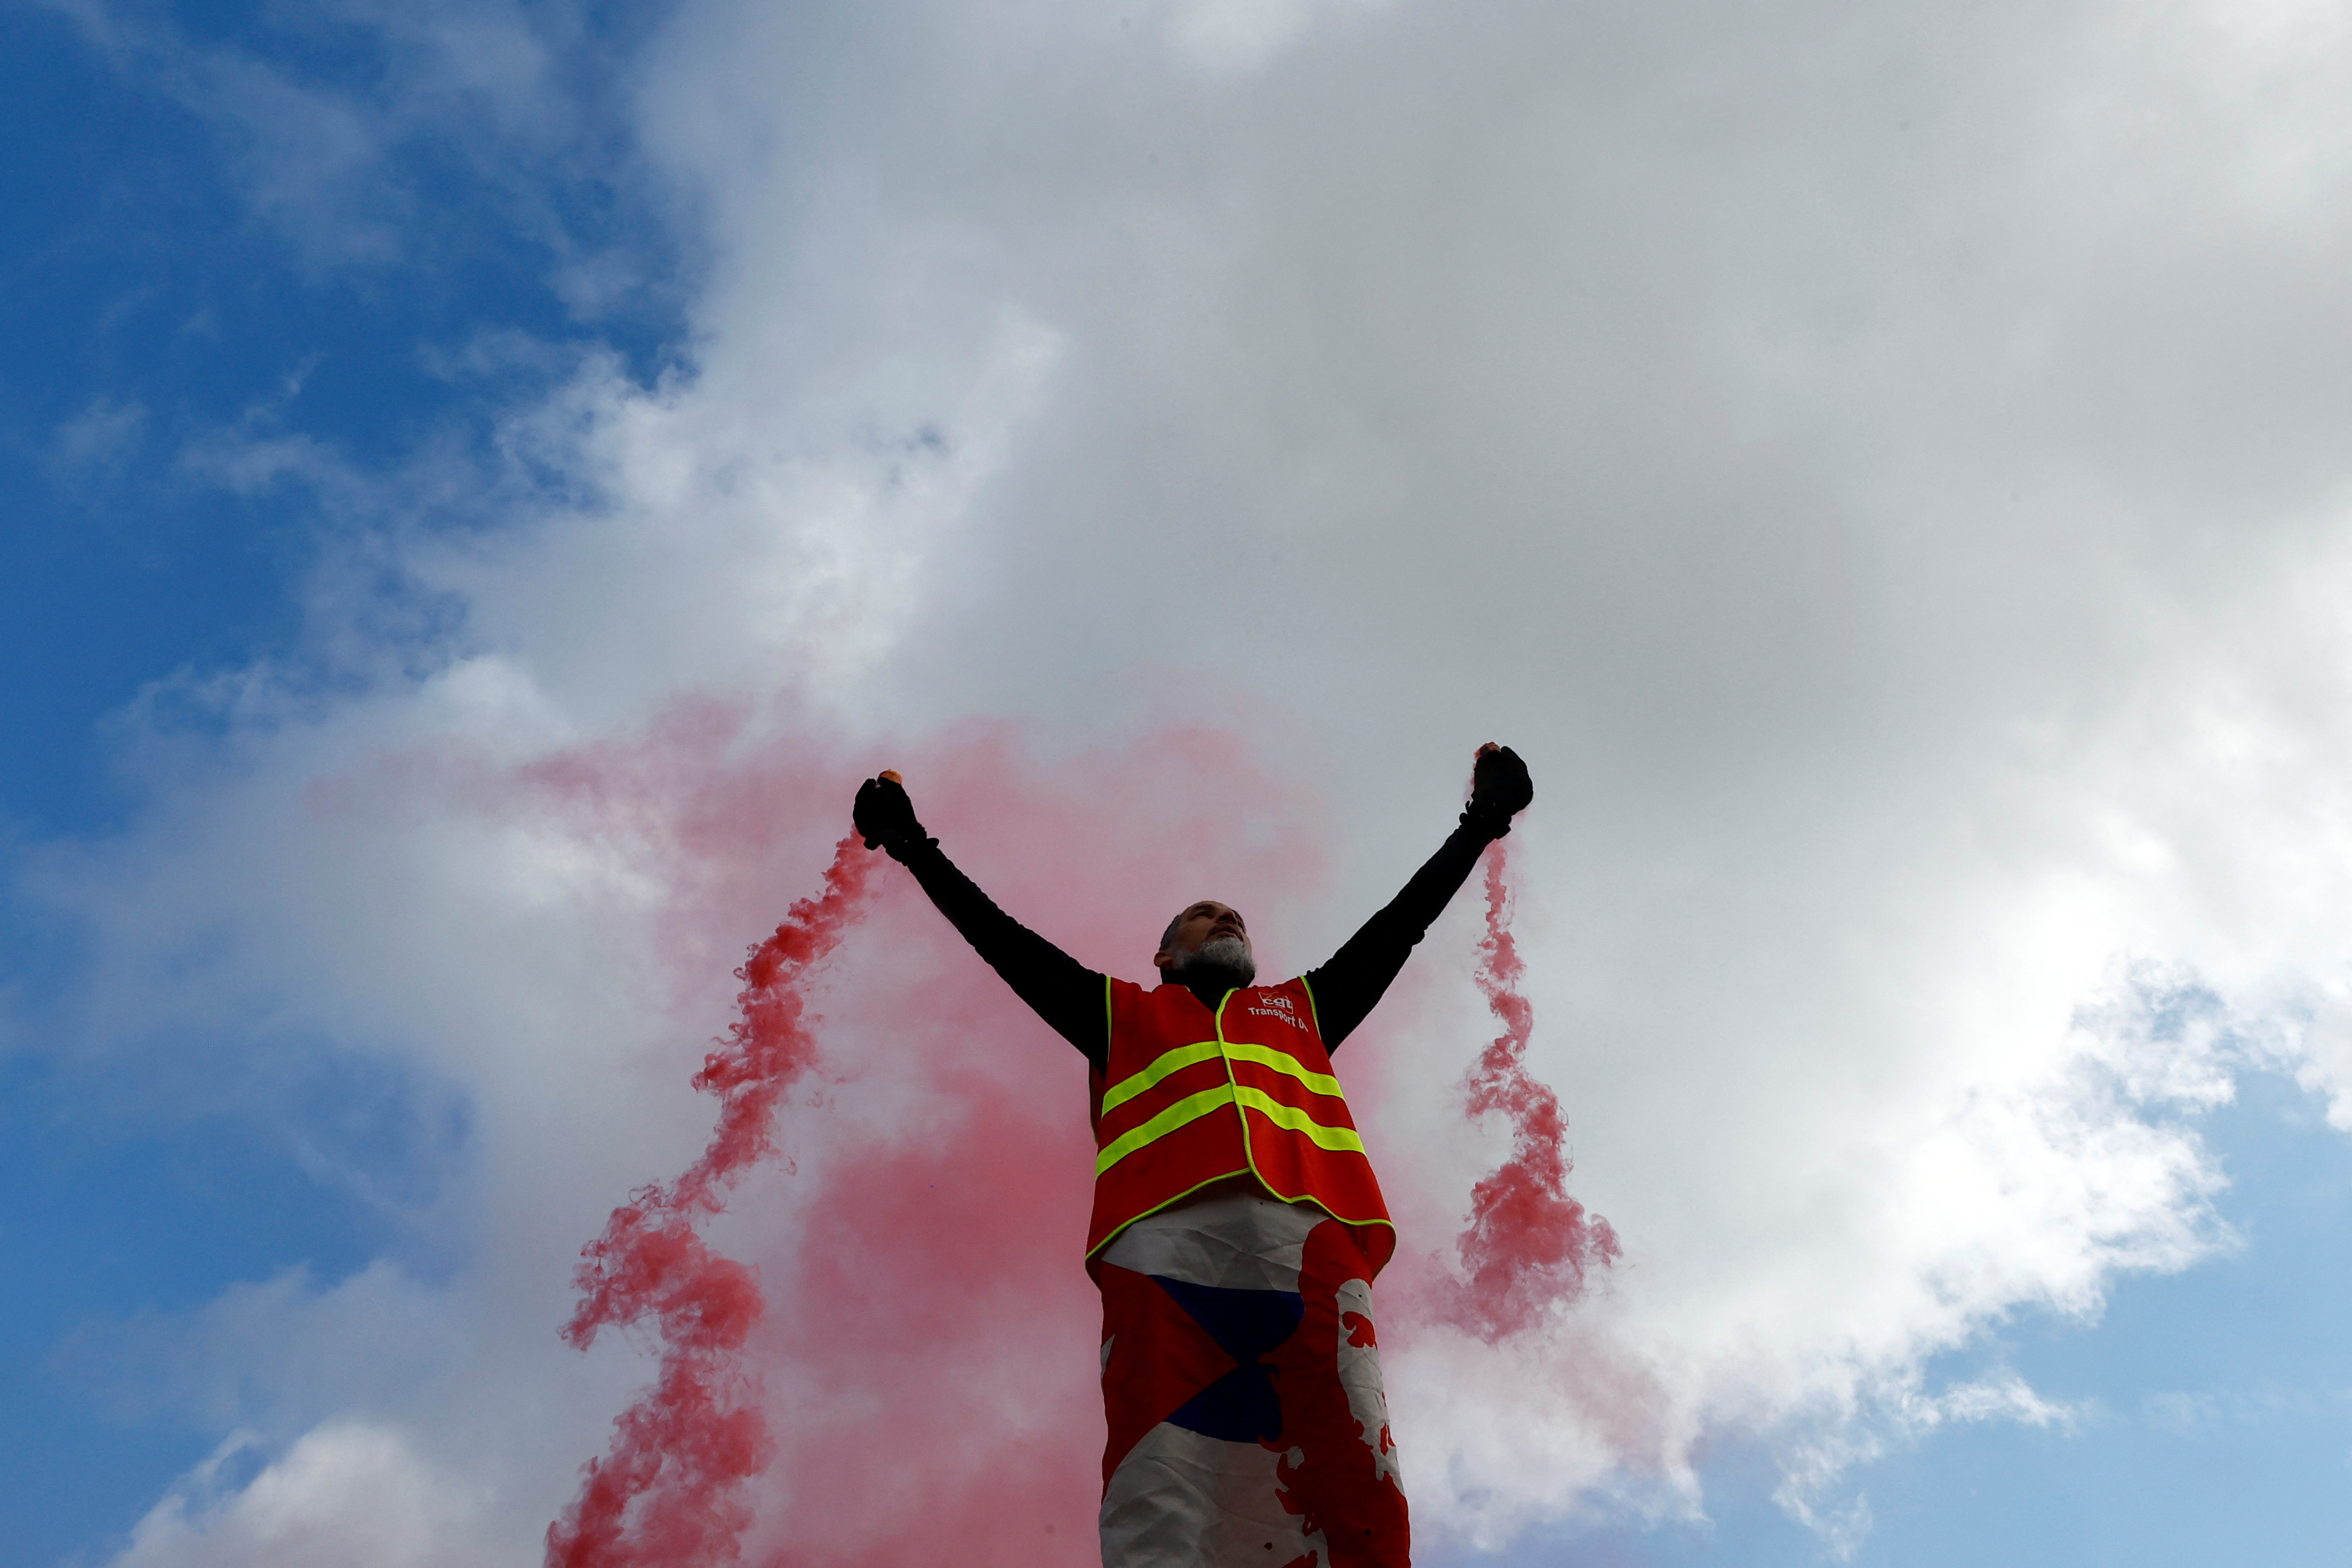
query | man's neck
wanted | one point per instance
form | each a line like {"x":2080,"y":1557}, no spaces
{"x":1211,"y":987}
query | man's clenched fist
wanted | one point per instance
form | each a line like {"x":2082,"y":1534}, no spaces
{"x":884,"y":815}
{"x":1500,"y":787}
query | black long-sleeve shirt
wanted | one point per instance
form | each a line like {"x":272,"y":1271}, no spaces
{"x":1069,"y":996}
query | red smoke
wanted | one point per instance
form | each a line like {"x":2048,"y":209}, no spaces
{"x":670,"y":1491}
{"x":883,"y":1350}
{"x":1527,"y":1244}
{"x":922,"y":1382}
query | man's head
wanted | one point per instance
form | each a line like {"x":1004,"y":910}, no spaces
{"x":1206,"y":941}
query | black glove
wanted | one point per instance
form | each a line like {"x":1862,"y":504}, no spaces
{"x":885,"y":817}
{"x":1499,"y":789}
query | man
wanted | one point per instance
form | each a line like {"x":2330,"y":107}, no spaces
{"x":1237,"y":1225}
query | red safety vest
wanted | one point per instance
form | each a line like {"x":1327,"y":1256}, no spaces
{"x":1192,"y":1096}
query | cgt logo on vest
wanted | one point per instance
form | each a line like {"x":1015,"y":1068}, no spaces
{"x":1275,"y":1005}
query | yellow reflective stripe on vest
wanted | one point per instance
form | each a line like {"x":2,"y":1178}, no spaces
{"x":1296,"y":1121}
{"x":1166,"y":1062}
{"x":1284,"y":1062}
{"x":1191,"y":1108}
{"x":1184,"y":1056}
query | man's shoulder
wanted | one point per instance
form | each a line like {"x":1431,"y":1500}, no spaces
{"x":1291,"y":997}
{"x":1133,"y":993}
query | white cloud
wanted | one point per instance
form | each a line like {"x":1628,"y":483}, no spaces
{"x":1233,"y":35}
{"x":102,"y":435}
{"x":1883,"y":468}
{"x":355,"y":1495}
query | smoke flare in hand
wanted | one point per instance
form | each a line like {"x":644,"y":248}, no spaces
{"x":1527,"y":1244}
{"x":669,"y":1494}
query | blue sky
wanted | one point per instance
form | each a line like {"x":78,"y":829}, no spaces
{"x":155,"y":302}
{"x":1907,"y":689}
{"x":151,"y":305}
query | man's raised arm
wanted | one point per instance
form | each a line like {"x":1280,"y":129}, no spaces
{"x":1358,"y":975}
{"x":1064,"y":992}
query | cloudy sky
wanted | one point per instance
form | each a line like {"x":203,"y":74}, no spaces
{"x":483,"y":480}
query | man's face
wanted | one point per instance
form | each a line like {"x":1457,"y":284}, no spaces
{"x":1205,"y":921}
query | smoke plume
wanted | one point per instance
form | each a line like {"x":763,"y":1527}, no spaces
{"x":1528,"y":1244}
{"x":669,"y":1495}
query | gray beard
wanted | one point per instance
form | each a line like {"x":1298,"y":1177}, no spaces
{"x":1224,"y":964}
